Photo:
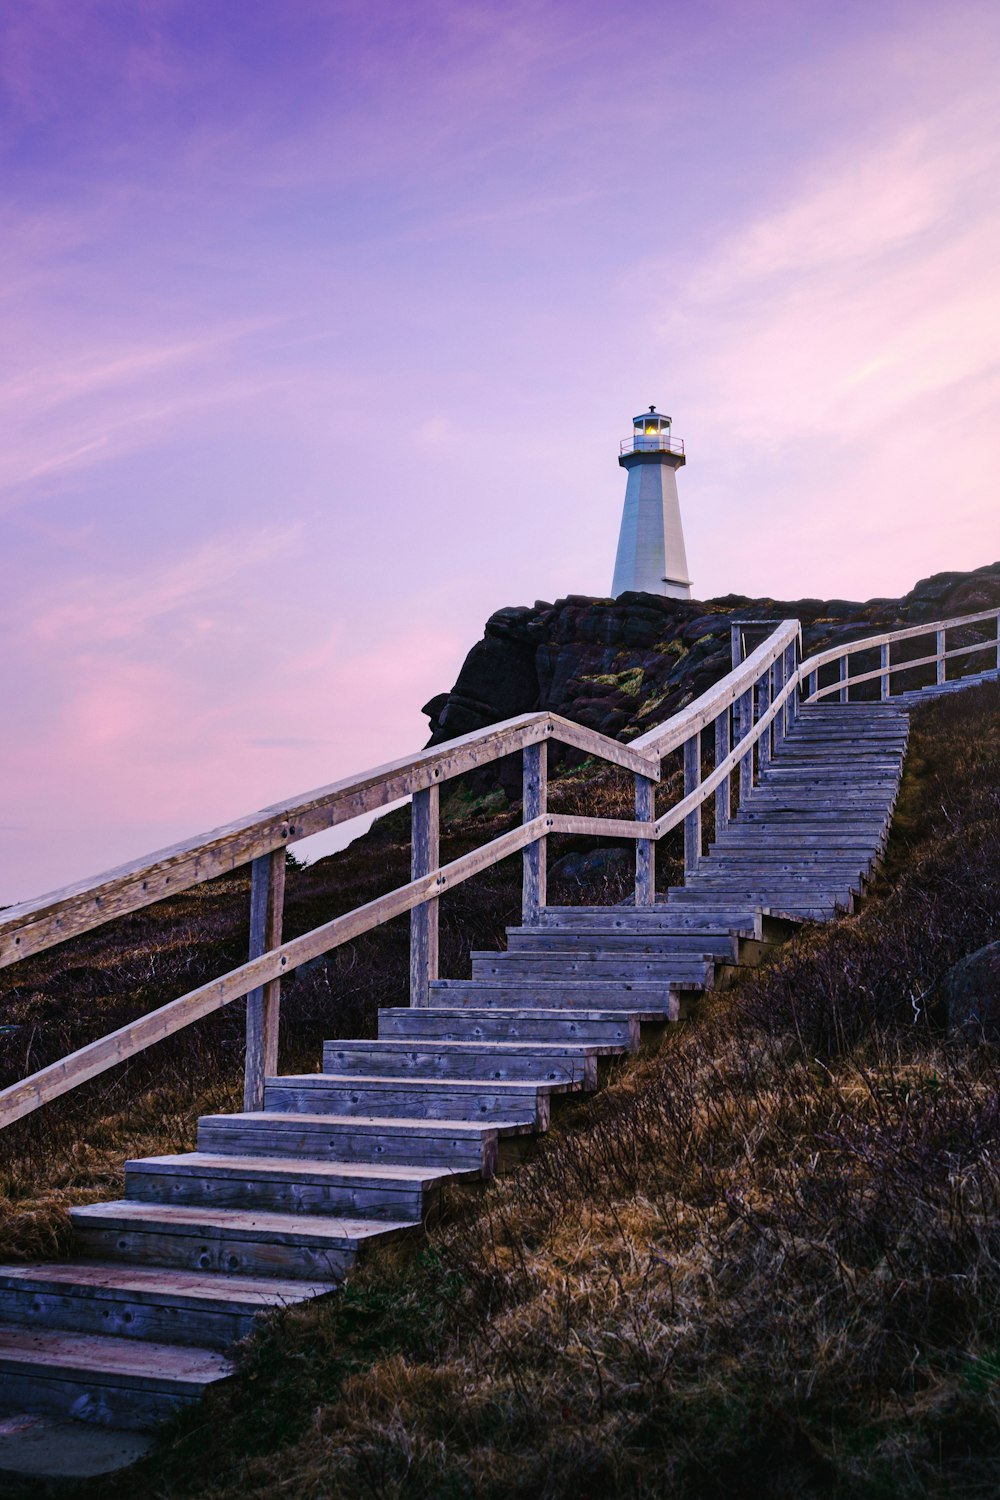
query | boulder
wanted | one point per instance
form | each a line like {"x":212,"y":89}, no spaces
{"x":970,"y":993}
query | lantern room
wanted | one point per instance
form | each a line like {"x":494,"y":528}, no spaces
{"x":650,"y":431}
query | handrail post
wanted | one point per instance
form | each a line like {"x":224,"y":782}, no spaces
{"x":884,"y":663}
{"x":844,"y":689}
{"x":692,"y":823}
{"x":534,"y":800}
{"x":267,"y":898}
{"x":744,"y":723}
{"x":763,"y":704}
{"x":812,"y":685}
{"x":796,"y":649}
{"x":424,"y":857}
{"x":940,"y":663}
{"x":645,"y":849}
{"x":777,"y":685}
{"x":998,"y":643}
{"x":736,"y":644}
{"x":723,"y":795}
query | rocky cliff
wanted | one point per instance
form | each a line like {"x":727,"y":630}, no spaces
{"x":621,"y":665}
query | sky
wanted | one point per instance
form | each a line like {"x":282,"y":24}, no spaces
{"x":321,"y":322}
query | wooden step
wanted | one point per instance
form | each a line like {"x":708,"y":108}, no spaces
{"x":241,"y":1241}
{"x":601,"y":965}
{"x":461,"y":1144}
{"x":738,"y":921}
{"x":516,"y":1102}
{"x":781,"y":838}
{"x":144,"y":1302}
{"x":620,"y":1028}
{"x":93,"y":1378}
{"x":269,"y":1184}
{"x":480,"y":994}
{"x":538,"y":1062}
{"x":717,"y":946}
{"x":802,"y":860}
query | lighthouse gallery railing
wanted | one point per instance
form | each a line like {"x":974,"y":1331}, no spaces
{"x":748,"y":712}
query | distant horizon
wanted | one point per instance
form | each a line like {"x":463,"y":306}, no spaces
{"x":324,"y":324}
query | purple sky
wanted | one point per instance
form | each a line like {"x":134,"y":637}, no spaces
{"x":322,"y":323}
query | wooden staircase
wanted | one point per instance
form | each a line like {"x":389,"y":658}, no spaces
{"x":277,"y":1204}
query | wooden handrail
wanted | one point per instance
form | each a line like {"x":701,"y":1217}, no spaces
{"x":33,"y":926}
{"x":665,"y":738}
{"x":870,"y":642}
{"x":749,"y":707}
{"x":811,"y":666}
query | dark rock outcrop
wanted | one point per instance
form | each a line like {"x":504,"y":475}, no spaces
{"x":970,"y":993}
{"x":621,"y":665}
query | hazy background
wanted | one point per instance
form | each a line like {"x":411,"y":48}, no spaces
{"x":321,"y":323}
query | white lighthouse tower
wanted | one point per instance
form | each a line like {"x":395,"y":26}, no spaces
{"x":651,"y":557}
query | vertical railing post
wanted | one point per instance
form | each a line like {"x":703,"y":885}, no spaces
{"x":736,"y":644}
{"x":723,"y":795}
{"x":424,"y":857}
{"x":692,"y":823}
{"x":267,"y":899}
{"x":844,"y":689}
{"x":645,"y":849}
{"x":940,"y":663}
{"x":813,"y":683}
{"x":744,"y":723}
{"x":998,"y":643}
{"x":778,"y":683}
{"x":763,"y":704}
{"x":535,"y":790}
{"x":795,"y":702}
{"x":884,"y":663}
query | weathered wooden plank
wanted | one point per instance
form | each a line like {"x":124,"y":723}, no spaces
{"x":489,"y":1100}
{"x":534,"y":803}
{"x":723,"y":790}
{"x":510,"y":1026}
{"x":267,"y":896}
{"x":270,"y":1185}
{"x":424,"y":857}
{"x":536,"y":1062}
{"x":645,"y":848}
{"x":692,"y":822}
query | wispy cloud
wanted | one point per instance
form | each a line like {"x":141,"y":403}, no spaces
{"x":101,"y":609}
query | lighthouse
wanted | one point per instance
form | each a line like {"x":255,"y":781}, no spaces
{"x":651,"y":557}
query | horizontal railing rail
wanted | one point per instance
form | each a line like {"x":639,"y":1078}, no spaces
{"x":887,"y":668}
{"x":749,"y":711}
{"x":653,"y":443}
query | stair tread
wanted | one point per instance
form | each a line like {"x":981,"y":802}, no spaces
{"x":367,"y":1124}
{"x":156,"y":1283}
{"x":405,"y":1082}
{"x":466,"y":1012}
{"x":139,"y":1362}
{"x":359,"y":1173}
{"x":293,"y":1227}
{"x":463,"y":1049}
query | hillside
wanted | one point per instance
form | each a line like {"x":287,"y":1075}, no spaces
{"x":814,"y":1157}
{"x":761,"y":1263}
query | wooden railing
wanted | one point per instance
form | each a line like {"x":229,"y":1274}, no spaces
{"x":747,"y":715}
{"x":887,"y":668}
